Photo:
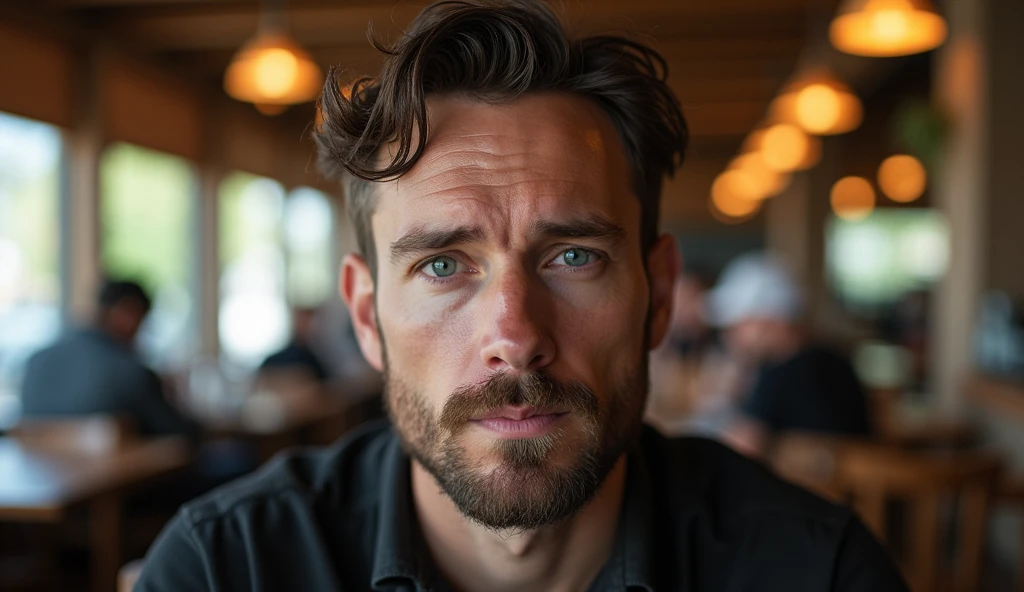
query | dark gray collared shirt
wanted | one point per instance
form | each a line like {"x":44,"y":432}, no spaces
{"x":696,"y":517}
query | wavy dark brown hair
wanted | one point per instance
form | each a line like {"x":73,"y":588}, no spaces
{"x":495,"y":51}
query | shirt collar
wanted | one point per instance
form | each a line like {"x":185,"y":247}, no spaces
{"x":395,"y":557}
{"x":632,"y":552}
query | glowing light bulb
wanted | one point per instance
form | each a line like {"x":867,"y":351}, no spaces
{"x":889,"y":25}
{"x":902,"y":178}
{"x":785,"y":147}
{"x":734,"y":194}
{"x":852,"y":198}
{"x":819,"y":103}
{"x":818,"y":108}
{"x":768,"y":181}
{"x":885,"y":28}
{"x":275,"y":72}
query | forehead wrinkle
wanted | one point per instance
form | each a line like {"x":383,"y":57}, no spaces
{"x":504,"y":167}
{"x":468,"y":170}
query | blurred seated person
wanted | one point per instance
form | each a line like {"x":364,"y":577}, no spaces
{"x":94,"y":370}
{"x":689,"y":370}
{"x":299,"y":355}
{"x":799,"y":385}
{"x":296,"y":370}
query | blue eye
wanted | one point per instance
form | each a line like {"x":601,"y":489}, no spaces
{"x":443,"y":266}
{"x":576,"y":257}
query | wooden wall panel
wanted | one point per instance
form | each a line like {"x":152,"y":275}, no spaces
{"x":143,"y":107}
{"x":35,"y":76}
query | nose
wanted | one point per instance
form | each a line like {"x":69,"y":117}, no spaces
{"x":518,"y":323}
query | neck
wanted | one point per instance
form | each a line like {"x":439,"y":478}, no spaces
{"x":563,"y":557}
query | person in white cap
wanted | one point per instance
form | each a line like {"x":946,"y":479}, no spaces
{"x":799,"y":385}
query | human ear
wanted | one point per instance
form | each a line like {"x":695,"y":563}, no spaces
{"x":663,"y":263}
{"x":357,"y":290}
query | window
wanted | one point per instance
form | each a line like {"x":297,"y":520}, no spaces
{"x":309,"y":237}
{"x":253,"y":317}
{"x":29,"y":248}
{"x":147,"y":202}
{"x":872,"y":262}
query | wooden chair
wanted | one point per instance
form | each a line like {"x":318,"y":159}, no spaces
{"x":873,"y":477}
{"x":1010,"y":493}
{"x":86,"y":434}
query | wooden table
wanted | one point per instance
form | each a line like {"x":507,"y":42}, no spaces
{"x":316,"y":421}
{"x":939,"y":432}
{"x":42,"y":486}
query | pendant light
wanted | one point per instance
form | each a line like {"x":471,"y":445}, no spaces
{"x":902,"y":178}
{"x":272,"y":70}
{"x":784,"y":147}
{"x":853,"y":198}
{"x":767,"y":181}
{"x":887,"y":28}
{"x":819,"y":103}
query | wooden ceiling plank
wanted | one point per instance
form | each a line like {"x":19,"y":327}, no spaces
{"x":204,"y":26}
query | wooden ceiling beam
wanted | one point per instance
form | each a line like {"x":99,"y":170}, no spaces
{"x":204,"y":26}
{"x":590,"y":8}
{"x":696,"y":84}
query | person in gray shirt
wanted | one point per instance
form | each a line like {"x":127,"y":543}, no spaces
{"x":94,"y":370}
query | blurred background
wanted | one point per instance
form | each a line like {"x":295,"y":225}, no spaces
{"x":851,"y":200}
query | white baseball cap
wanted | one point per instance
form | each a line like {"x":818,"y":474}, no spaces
{"x":755,"y":285}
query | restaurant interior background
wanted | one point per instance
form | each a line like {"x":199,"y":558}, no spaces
{"x":890,"y":185}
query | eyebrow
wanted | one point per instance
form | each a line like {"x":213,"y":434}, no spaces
{"x":420,"y":240}
{"x":594,"y":227}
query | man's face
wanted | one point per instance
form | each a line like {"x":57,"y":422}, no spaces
{"x":514,"y":309}
{"x":124,"y":319}
{"x":755,"y":338}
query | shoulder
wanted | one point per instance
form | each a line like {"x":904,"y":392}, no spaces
{"x":276,"y":527}
{"x":733,"y":487}
{"x":731,"y":511}
{"x":65,"y":343}
{"x":347,"y":472}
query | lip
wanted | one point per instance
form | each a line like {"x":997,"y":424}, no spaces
{"x":513,"y":413}
{"x":519,"y":422}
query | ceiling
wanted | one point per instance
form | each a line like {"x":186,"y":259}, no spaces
{"x":727,"y":58}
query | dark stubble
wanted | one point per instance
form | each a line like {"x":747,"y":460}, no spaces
{"x":526,"y":490}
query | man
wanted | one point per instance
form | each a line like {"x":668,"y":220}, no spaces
{"x":510,"y":284}
{"x":94,"y":370}
{"x":798,"y":385}
{"x":298,"y":359}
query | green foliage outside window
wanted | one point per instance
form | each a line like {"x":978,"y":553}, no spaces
{"x":146,"y":216}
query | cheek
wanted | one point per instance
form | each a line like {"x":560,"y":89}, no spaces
{"x":428,"y":340}
{"x":600,"y":334}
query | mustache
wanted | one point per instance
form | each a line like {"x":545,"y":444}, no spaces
{"x":535,"y":389}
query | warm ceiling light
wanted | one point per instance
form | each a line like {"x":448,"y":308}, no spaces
{"x":272,"y":72}
{"x":886,"y":28}
{"x":852,"y":198}
{"x":819,"y":103}
{"x":734,"y":194}
{"x":902,"y":178}
{"x":786,"y":148}
{"x":752,"y":208}
{"x":767,"y":180}
{"x":736,"y":184}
